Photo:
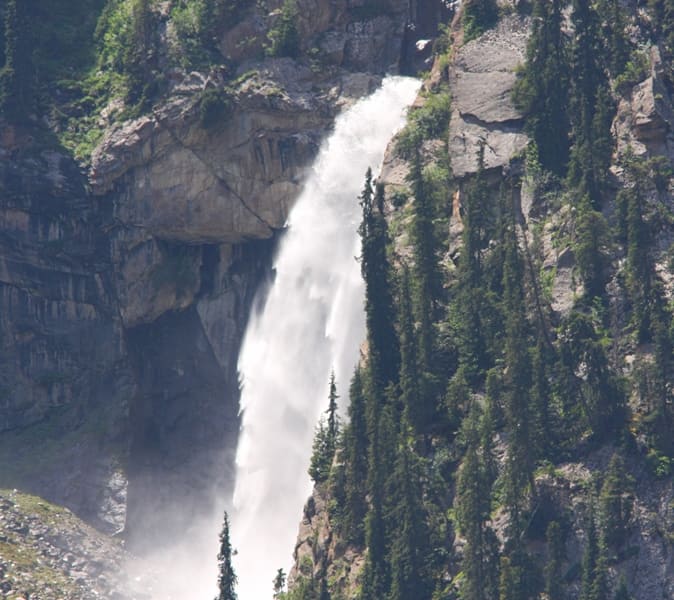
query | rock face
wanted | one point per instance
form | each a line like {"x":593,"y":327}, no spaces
{"x":124,"y":292}
{"x":481,"y":80}
{"x":645,"y":118}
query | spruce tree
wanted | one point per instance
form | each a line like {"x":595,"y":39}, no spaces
{"x":616,"y":42}
{"x":384,"y":355}
{"x":594,"y":568}
{"x":519,"y":467}
{"x":622,"y":593}
{"x":410,"y":547}
{"x":591,"y":107}
{"x":325,"y":438}
{"x":333,"y":424}
{"x":426,"y":271}
{"x":279,"y":583}
{"x":416,"y":411}
{"x":469,"y":301}
{"x":553,"y":568}
{"x":226,"y":575}
{"x":355,"y":462}
{"x":473,"y":507}
{"x":589,"y":238}
{"x":615,"y":505}
{"x":18,"y":93}
{"x":542,"y":89}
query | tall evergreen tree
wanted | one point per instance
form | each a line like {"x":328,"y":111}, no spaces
{"x":591,"y":105}
{"x":615,"y":504}
{"x":553,"y":568}
{"x":519,"y":468}
{"x":333,"y":424}
{"x":18,"y":93}
{"x":226,"y":575}
{"x":594,"y":584}
{"x":473,"y":508}
{"x":542,"y":90}
{"x":384,"y":355}
{"x":325,"y":439}
{"x":376,"y":576}
{"x":426,"y":271}
{"x":616,"y":42}
{"x":416,"y":411}
{"x":355,"y":462}
{"x":469,"y":300}
{"x":410,"y":547}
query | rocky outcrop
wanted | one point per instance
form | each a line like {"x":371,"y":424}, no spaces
{"x":645,"y":118}
{"x":481,"y":79}
{"x":48,"y":553}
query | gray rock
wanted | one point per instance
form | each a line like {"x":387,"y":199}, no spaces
{"x":481,"y":79}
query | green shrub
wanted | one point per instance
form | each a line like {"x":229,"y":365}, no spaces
{"x":214,"y":106}
{"x":284,"y":37}
{"x":427,"y":122}
{"x":660,"y":465}
{"x":478,"y":16}
{"x":636,"y":70}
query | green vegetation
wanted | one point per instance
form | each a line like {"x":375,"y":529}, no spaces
{"x":284,"y":38}
{"x":226,"y":575}
{"x":478,"y":16}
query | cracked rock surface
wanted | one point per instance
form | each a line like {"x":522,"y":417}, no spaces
{"x":481,"y":79}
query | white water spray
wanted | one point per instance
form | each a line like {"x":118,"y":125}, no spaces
{"x":312,"y":322}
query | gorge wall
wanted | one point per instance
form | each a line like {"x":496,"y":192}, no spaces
{"x":125,"y":288}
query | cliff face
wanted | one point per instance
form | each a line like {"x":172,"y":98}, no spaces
{"x":125,"y":290}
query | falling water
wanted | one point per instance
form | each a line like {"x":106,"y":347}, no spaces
{"x":312,"y":322}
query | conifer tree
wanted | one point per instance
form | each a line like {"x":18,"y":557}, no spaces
{"x":414,"y":408}
{"x":594,"y":584}
{"x":410,"y":549}
{"x":519,"y":468}
{"x":355,"y":462}
{"x":426,"y":272}
{"x":553,"y":568}
{"x":333,"y":424}
{"x":376,"y":571}
{"x":543,"y":427}
{"x":473,"y":508}
{"x":511,"y":580}
{"x":469,"y":296}
{"x":226,"y":575}
{"x":617,"y":45}
{"x":279,"y":583}
{"x":615,"y":504}
{"x":591,"y":106}
{"x":590,"y":229}
{"x":17,"y":77}
{"x":542,"y":90}
{"x":622,"y":593}
{"x":325,"y":439}
{"x":384,"y":356}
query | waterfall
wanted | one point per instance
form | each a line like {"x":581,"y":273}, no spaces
{"x":312,"y":322}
